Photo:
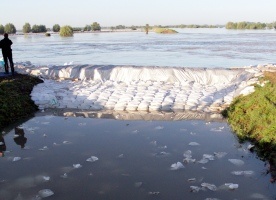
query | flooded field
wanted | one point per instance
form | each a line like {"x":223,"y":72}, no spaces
{"x":57,"y":157}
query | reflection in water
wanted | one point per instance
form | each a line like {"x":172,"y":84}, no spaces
{"x":19,"y":137}
{"x":272,"y":167}
{"x":2,"y":146}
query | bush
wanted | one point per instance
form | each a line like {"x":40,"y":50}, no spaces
{"x":10,"y":28}
{"x":66,"y":31}
{"x":96,"y":26}
{"x":56,"y":28}
{"x":39,"y":29}
{"x":47,"y":34}
{"x":87,"y":28}
{"x":26,"y":28}
{"x":2,"y":29}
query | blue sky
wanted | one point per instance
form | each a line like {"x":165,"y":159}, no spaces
{"x":78,"y":13}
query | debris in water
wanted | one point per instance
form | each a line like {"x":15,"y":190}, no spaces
{"x":193,"y":144}
{"x":159,"y":127}
{"x":45,"y":193}
{"x":195,"y":189}
{"x":121,"y":156}
{"x":208,"y":156}
{"x":138,"y":184}
{"x":16,"y":159}
{"x":192,"y":179}
{"x":43,"y":149}
{"x":203,"y":161}
{"x":250,"y":146}
{"x":153,"y":143}
{"x":243,"y":173}
{"x":64,"y":175}
{"x":66,"y":142}
{"x":46,"y":178}
{"x":209,"y":186}
{"x":82,"y":124}
{"x":232,"y":186}
{"x":154,"y":193}
{"x":135,"y":131}
{"x":237,"y":162}
{"x":76,"y":166}
{"x":220,"y":154}
{"x":177,"y":166}
{"x":92,"y":159}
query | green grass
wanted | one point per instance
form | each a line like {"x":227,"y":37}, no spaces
{"x":253,"y":117}
{"x":15,"y":100}
{"x":164,"y":30}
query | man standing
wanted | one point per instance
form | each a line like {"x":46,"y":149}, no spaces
{"x":5,"y":44}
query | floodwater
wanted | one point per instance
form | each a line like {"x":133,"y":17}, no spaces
{"x":90,"y":158}
{"x":189,"y":48}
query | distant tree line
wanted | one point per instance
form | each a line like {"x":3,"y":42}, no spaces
{"x":250,"y":25}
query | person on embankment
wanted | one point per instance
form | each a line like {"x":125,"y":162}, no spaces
{"x":5,"y":45}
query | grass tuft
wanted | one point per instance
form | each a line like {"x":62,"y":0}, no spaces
{"x":15,"y":100}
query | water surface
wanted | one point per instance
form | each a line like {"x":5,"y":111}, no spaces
{"x":135,"y":159}
{"x":188,"y":48}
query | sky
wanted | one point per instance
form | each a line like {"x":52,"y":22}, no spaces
{"x":78,"y":13}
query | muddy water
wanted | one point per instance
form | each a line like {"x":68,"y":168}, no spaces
{"x":135,"y":161}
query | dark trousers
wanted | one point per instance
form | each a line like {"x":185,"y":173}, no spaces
{"x":8,"y":56}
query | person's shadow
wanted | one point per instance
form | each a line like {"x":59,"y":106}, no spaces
{"x":2,"y":145}
{"x":20,"y":138}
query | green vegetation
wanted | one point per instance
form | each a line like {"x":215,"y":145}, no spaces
{"x":15,"y":98}
{"x":39,"y":29}
{"x":165,"y":31}
{"x":197,"y":26}
{"x":26,"y":28}
{"x":10,"y":28}
{"x":253,"y":117}
{"x":96,"y":26}
{"x":47,"y":34}
{"x":56,"y":28}
{"x":66,"y":31}
{"x":249,"y":25}
{"x":2,"y":29}
{"x":87,"y":28}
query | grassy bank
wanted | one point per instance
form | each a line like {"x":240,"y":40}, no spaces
{"x":253,"y":117}
{"x":164,"y":31}
{"x":15,"y":101}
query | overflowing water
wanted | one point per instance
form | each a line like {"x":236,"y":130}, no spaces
{"x":188,"y":48}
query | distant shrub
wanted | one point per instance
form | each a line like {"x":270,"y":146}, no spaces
{"x":56,"y":28}
{"x":39,"y":29}
{"x":87,"y":28}
{"x":2,"y":29}
{"x":47,"y":34}
{"x":26,"y":28}
{"x":66,"y":31}
{"x":96,"y":26}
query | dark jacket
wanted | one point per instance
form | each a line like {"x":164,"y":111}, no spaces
{"x":5,"y":44}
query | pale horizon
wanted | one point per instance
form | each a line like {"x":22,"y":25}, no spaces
{"x":138,"y":13}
